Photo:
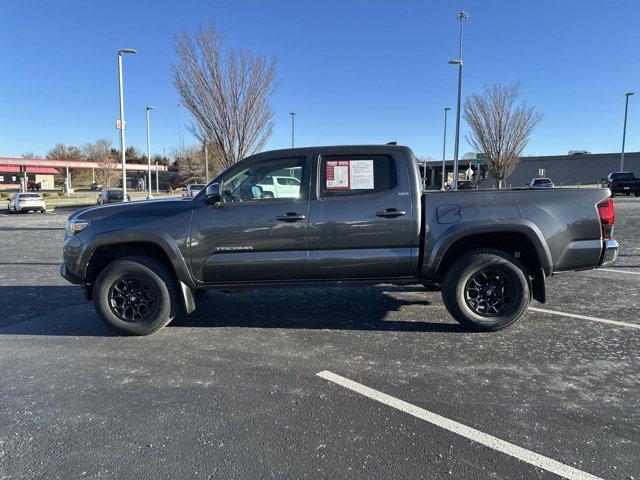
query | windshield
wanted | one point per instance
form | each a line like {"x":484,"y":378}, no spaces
{"x":542,"y":181}
{"x":114,"y":192}
{"x":196,"y":186}
{"x":29,"y":195}
{"x":623,"y":176}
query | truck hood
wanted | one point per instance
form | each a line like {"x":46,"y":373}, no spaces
{"x":144,"y":208}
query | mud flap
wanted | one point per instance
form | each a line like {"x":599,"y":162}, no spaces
{"x":187,"y":296}
{"x":538,"y":287}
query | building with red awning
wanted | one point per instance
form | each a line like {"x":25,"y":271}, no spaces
{"x":14,"y":171}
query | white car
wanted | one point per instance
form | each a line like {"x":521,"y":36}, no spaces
{"x":540,"y":183}
{"x":192,"y":190}
{"x":26,"y":202}
{"x":280,"y":187}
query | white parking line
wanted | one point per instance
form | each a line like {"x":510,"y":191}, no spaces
{"x":586,"y":317}
{"x":485,"y":439}
{"x":617,"y":271}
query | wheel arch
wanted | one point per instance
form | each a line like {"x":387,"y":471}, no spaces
{"x":107,"y":249}
{"x":523,"y":241}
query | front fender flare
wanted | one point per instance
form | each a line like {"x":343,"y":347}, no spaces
{"x":162,"y":240}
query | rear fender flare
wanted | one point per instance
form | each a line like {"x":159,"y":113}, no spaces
{"x":461,"y":230}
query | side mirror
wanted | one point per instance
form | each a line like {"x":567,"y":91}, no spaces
{"x":212,"y":194}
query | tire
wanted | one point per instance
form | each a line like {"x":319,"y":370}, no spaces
{"x":637,"y":194}
{"x":155,"y":284}
{"x":267,"y":195}
{"x":469,"y":300}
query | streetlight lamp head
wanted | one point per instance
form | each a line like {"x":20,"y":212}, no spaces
{"x":149,"y":107}
{"x":455,"y":62}
{"x":446,"y":109}
{"x":292,"y":113}
{"x":463,"y":15}
{"x":628,"y":94}
{"x":127,"y":50}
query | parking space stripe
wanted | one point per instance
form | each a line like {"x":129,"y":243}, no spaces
{"x":586,"y":317}
{"x":617,"y":271}
{"x":485,"y":439}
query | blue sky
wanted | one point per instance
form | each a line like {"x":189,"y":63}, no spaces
{"x":354,"y":71}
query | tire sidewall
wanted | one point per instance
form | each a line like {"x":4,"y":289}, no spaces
{"x":154,"y":275}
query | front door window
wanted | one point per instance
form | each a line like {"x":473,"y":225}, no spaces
{"x":265,"y":181}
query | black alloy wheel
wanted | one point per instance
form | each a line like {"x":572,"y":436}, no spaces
{"x":488,"y":293}
{"x":131,"y":299}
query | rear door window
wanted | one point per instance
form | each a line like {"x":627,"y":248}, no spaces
{"x":355,"y":175}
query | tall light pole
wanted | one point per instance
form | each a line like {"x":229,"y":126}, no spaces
{"x":444,"y":145}
{"x":149,"y":108}
{"x":624,"y":129}
{"x":293,"y":127}
{"x":122,"y":124}
{"x":461,"y":17}
{"x":157,"y":180}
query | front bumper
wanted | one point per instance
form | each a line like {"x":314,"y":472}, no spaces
{"x":68,"y":276}
{"x":609,"y":253}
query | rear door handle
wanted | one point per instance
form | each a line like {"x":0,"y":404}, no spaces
{"x":290,"y":217}
{"x":391,"y":213}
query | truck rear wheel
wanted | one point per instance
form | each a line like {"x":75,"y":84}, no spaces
{"x":136,"y":296}
{"x":486,"y":290}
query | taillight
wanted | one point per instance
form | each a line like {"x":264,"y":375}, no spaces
{"x":607,"y":213}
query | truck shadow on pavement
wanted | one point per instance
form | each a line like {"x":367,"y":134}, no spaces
{"x":345,"y":308}
{"x":64,"y":312}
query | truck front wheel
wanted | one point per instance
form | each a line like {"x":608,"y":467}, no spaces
{"x":486,"y":290}
{"x":136,"y":296}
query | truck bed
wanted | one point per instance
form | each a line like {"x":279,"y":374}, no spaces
{"x":561,"y":226}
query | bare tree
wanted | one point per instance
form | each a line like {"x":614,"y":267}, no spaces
{"x":227,"y":91}
{"x":65,"y":152}
{"x":499,"y":128}
{"x":191,"y":165}
{"x":100,"y":152}
{"x":29,"y":155}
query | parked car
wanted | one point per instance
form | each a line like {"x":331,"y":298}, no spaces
{"x":33,"y":186}
{"x":110,"y":195}
{"x":466,"y":185}
{"x":192,"y":190}
{"x":360,"y":218}
{"x":26,"y":202}
{"x":280,"y":187}
{"x":623,"y":183}
{"x":95,"y":187}
{"x":540,"y":183}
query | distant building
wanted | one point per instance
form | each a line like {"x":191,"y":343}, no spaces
{"x":583,"y":169}
{"x":14,"y":172}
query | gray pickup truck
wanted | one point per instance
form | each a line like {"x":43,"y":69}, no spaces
{"x":334,"y":216}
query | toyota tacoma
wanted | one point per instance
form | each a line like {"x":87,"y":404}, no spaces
{"x":357,"y":215}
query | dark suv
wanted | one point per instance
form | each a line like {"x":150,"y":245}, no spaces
{"x":111,"y":195}
{"x":622,"y":183}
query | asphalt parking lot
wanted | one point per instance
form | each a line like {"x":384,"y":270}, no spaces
{"x":233,"y":390}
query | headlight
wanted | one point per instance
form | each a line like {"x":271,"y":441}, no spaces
{"x":76,"y":225}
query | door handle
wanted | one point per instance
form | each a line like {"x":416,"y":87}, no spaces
{"x":391,"y":213}
{"x":290,"y":217}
